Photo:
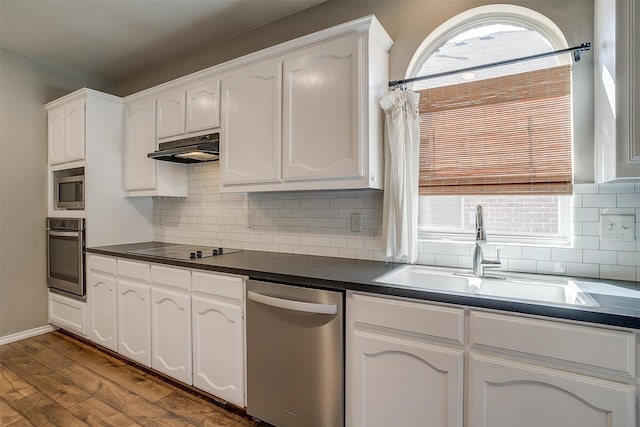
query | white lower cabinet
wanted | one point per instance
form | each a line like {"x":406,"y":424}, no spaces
{"x":504,"y":393}
{"x":218,"y":365}
{"x":134,"y":320}
{"x":412,"y":363}
{"x":403,"y":370}
{"x":187,"y":324}
{"x":217,"y":308}
{"x":171,"y":333}
{"x":68,"y":314}
{"x":530,"y":372}
{"x":101,"y":298}
{"x":405,"y":383}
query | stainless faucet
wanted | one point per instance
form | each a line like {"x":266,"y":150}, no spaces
{"x":479,"y":263}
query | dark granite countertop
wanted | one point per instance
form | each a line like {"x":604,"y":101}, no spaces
{"x":616,"y":307}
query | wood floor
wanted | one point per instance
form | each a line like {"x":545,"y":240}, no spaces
{"x":53,"y":379}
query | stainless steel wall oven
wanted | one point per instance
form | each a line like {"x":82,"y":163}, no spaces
{"x":65,"y":256}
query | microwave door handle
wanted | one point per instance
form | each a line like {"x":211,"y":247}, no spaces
{"x":64,"y":233}
{"x":307,"y":307}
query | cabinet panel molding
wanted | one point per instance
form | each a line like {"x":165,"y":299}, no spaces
{"x":505,"y":394}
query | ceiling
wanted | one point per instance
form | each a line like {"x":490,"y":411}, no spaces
{"x":113,"y":39}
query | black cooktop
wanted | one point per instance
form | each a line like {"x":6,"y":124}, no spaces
{"x":182,"y":252}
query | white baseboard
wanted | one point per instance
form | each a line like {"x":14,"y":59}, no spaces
{"x":26,"y":334}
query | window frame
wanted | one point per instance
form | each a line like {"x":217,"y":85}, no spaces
{"x":482,"y":15}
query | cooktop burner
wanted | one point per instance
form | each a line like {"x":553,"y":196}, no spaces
{"x":184,"y":252}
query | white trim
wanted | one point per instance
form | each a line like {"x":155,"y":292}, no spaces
{"x":26,"y":334}
{"x":480,"y":15}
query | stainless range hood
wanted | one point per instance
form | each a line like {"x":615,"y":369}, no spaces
{"x":196,"y":149}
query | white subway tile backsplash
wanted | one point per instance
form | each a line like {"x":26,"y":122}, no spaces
{"x":318,"y":223}
{"x":583,"y":270}
{"x":623,"y":187}
{"x":566,"y":255}
{"x":586,"y":242}
{"x":446,"y":260}
{"x":629,"y":258}
{"x":586,"y":214}
{"x":599,"y":200}
{"x":599,"y":257}
{"x":551,"y":267}
{"x":628,"y":200}
{"x":585,"y":188}
{"x":536,"y":254}
{"x":523,"y":265}
{"x":617,"y":272}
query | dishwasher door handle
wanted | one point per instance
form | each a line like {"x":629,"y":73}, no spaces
{"x":307,"y":307}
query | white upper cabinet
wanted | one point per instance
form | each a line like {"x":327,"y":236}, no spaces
{"x":322,"y":110}
{"x":171,"y":114}
{"x":189,"y":111}
{"x":140,"y":139}
{"x":617,"y":102}
{"x":144,"y":176}
{"x":203,"y":106}
{"x":305,"y":114}
{"x":251,"y":116}
{"x":67,"y":133}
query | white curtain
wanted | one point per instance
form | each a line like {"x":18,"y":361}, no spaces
{"x":402,"y":149}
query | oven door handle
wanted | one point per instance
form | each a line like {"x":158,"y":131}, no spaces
{"x":64,"y":233}
{"x":307,"y":307}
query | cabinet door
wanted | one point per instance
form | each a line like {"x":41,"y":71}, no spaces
{"x":251,"y":125}
{"x":74,"y":131}
{"x":203,"y":106}
{"x":171,"y":333}
{"x":134,"y":320}
{"x":139,"y":140}
{"x":218,"y":362}
{"x":504,"y":393}
{"x":56,"y":136}
{"x":69,"y":314}
{"x":396,"y":382}
{"x":101,"y":298}
{"x":171,"y":114}
{"x":323,"y":112}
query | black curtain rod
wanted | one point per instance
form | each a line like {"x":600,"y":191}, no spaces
{"x":575,"y":50}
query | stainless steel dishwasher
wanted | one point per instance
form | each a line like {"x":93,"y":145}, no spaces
{"x":295,"y":355}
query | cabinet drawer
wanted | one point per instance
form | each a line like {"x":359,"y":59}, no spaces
{"x":133,"y":269}
{"x":102,"y":263}
{"x":176,"y":277}
{"x":430,"y":320}
{"x":594,"y":348}
{"x":219,"y":285}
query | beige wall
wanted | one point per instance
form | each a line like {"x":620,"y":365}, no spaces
{"x":408,"y":23}
{"x":25,"y":86}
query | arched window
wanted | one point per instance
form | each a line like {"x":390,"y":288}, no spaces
{"x":501,"y":136}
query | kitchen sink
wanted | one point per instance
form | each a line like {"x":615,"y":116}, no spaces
{"x":546,"y":289}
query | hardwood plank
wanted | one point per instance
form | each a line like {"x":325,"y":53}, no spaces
{"x":134,"y":380}
{"x":21,"y":364}
{"x":119,"y":398}
{"x":40,"y":410}
{"x":95,"y":412}
{"x":43,"y":354}
{"x":195,"y":410}
{"x":12,"y":387}
{"x":7,"y":414}
{"x":23,"y":422}
{"x":59,"y":388}
{"x":55,"y":379}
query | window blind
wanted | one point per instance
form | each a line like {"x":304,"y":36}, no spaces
{"x":505,"y":135}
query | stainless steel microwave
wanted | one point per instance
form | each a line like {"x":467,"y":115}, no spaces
{"x":69,"y":192}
